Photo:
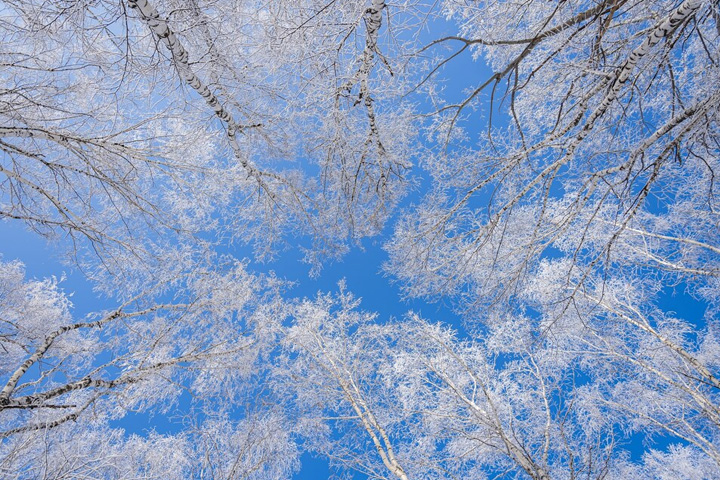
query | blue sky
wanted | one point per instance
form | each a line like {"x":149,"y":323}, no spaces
{"x":361,"y":269}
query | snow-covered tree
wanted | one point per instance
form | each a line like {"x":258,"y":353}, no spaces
{"x":565,"y":194}
{"x":128,"y":123}
{"x":529,"y":399}
{"x":608,"y":157}
{"x":204,"y":336}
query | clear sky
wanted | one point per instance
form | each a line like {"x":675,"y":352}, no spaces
{"x":361,"y":269}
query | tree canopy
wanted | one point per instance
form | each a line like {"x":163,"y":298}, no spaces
{"x":545,"y":169}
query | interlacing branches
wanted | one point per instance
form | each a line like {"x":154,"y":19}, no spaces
{"x":573,"y":155}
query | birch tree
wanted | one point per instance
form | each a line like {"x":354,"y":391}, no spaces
{"x":182,"y":119}
{"x":151,"y":133}
{"x":205,"y":342}
{"x":332,"y":388}
{"x":610,"y":147}
{"x":525,"y":400}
